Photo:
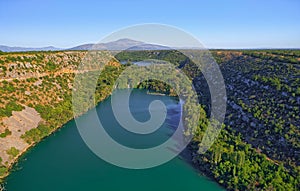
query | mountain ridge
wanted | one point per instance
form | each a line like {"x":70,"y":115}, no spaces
{"x":120,"y":44}
{"x":4,"y":48}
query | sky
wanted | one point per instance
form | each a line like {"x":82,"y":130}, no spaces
{"x":215,"y":23}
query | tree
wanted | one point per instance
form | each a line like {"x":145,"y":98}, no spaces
{"x":13,"y":151}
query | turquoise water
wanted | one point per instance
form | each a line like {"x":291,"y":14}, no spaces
{"x":62,"y":162}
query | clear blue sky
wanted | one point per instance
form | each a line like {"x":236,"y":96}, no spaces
{"x":217,"y":23}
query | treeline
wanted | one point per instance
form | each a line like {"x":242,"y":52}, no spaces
{"x":157,"y":86}
{"x":238,"y":166}
{"x":175,"y":57}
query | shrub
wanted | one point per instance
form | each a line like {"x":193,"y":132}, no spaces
{"x":3,"y":170}
{"x":50,"y":66}
{"x":6,"y":133}
{"x":13,"y":152}
{"x":36,"y":134}
{"x":9,"y":108}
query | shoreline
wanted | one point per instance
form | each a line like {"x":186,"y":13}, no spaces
{"x":154,"y":93}
{"x":30,"y":146}
{"x":185,"y":155}
{"x":16,"y":159}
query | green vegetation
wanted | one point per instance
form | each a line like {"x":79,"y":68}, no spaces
{"x":288,"y":56}
{"x":36,"y":134}
{"x":51,"y":66}
{"x":3,"y":171}
{"x":62,"y":112}
{"x":258,"y":148}
{"x":9,"y":87}
{"x":173,"y":56}
{"x":20,"y":87}
{"x":240,"y":159}
{"x":10,"y":107}
{"x":238,"y":166}
{"x":157,"y":86}
{"x":4,"y":134}
{"x":13,"y":152}
{"x":267,"y":93}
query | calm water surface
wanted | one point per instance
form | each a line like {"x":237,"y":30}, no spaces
{"x":62,"y":162}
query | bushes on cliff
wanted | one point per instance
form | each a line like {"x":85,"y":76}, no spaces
{"x":9,"y":108}
{"x":36,"y":134}
{"x":13,"y":152}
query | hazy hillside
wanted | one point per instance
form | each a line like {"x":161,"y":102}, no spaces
{"x":24,"y":49}
{"x":121,"y":44}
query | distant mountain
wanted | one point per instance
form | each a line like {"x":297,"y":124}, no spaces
{"x":82,"y":47}
{"x":23,"y":49}
{"x":121,"y":44}
{"x":149,"y":47}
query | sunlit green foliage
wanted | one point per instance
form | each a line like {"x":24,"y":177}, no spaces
{"x":4,"y":134}
{"x":13,"y":152}
{"x":9,"y":108}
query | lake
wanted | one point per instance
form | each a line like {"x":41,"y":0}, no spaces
{"x":62,"y":161}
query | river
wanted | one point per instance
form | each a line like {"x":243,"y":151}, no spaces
{"x":62,"y":161}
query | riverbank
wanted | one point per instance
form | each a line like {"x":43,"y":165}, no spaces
{"x":58,"y":126}
{"x":14,"y":161}
{"x":21,"y":153}
{"x":70,"y":165}
{"x":48,"y":94}
{"x":31,"y":145}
